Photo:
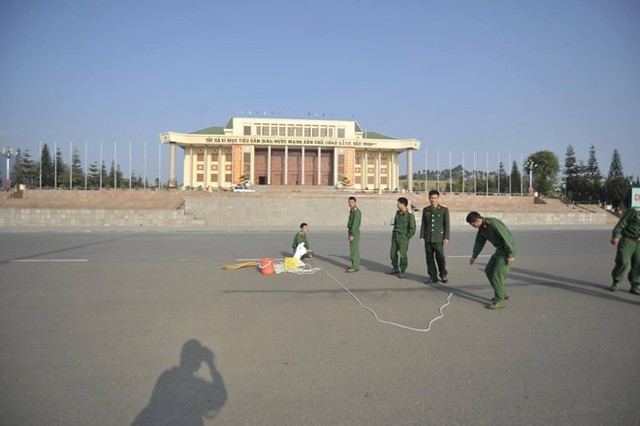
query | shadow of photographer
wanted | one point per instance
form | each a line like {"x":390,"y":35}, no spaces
{"x":180,"y":397}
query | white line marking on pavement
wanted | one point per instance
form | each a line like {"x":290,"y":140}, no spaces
{"x":49,"y":260}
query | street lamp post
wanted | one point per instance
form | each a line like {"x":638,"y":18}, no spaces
{"x":8,"y":152}
{"x":530,"y":165}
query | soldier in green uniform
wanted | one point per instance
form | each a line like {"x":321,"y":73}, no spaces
{"x":301,"y":237}
{"x":493,"y":230}
{"x":404,"y":227}
{"x":353,"y":228}
{"x":626,"y":235}
{"x":434,"y":234}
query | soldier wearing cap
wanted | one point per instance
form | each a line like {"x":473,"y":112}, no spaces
{"x":434,"y":234}
{"x":404,"y":227}
{"x":626,"y":235}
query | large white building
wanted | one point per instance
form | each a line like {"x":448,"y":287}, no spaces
{"x":289,"y":151}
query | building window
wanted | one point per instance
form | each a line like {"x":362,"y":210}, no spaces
{"x":247,"y":130}
{"x":199,"y":178}
{"x":330,"y":129}
{"x":283,"y":130}
{"x":258,"y":130}
{"x":200,"y":157}
{"x":214,"y":157}
{"x":341,"y":132}
{"x":307,"y":131}
{"x":214,"y":178}
{"x":291,"y":130}
{"x":323,"y":131}
{"x":314,"y":131}
{"x":299,"y":131}
{"x":227,"y":177}
{"x":265,"y":130}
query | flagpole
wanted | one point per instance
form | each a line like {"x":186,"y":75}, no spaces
{"x":70,"y":164}
{"x":86,"y":166}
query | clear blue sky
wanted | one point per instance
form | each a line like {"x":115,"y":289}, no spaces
{"x":498,"y":77}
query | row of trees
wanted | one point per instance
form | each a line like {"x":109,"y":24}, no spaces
{"x":51,"y":171}
{"x":580,"y":182}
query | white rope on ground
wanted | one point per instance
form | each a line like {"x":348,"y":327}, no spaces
{"x":305,"y":269}
{"x":422,"y":330}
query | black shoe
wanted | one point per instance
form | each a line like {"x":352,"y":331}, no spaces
{"x":444,"y":278}
{"x":393,"y":271}
{"x":430,"y":280}
{"x":613,"y":287}
{"x":634,"y":290}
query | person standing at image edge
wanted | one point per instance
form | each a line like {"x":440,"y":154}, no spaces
{"x":404,"y":227}
{"x":434,"y":234}
{"x":353,"y":229}
{"x":626,"y":236}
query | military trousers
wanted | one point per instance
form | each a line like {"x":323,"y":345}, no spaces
{"x":628,"y":251}
{"x":496,"y":271}
{"x":399,"y":247}
{"x":435,"y":260}
{"x":354,"y":251}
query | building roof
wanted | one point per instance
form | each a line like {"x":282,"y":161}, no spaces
{"x":209,"y":131}
{"x":374,"y":135}
{"x":217,"y":130}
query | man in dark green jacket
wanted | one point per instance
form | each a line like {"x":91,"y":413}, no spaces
{"x":301,"y":237}
{"x":493,"y":230}
{"x":626,"y":235}
{"x":353,"y":229}
{"x":434,"y":234}
{"x":404,"y":227}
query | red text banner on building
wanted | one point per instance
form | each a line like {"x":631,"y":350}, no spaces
{"x":349,"y":164}
{"x":237,"y":163}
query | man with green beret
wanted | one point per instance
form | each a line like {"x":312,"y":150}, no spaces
{"x":434,"y":234}
{"x":626,"y":235}
{"x":493,"y":230}
{"x":404,"y":227}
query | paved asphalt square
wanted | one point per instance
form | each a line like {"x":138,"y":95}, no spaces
{"x":93,"y":323}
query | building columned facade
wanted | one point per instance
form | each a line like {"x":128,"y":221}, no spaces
{"x":289,"y":151}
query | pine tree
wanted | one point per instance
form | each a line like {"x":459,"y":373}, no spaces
{"x":503,"y":179}
{"x":76,"y":168}
{"x":46,"y":165}
{"x":104,"y":176}
{"x":616,"y":187}
{"x":17,"y":173}
{"x":615,"y":169}
{"x":60,"y":167}
{"x":516,"y":178}
{"x":571,"y":173}
{"x":593,"y":175}
{"x":93,"y":178}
